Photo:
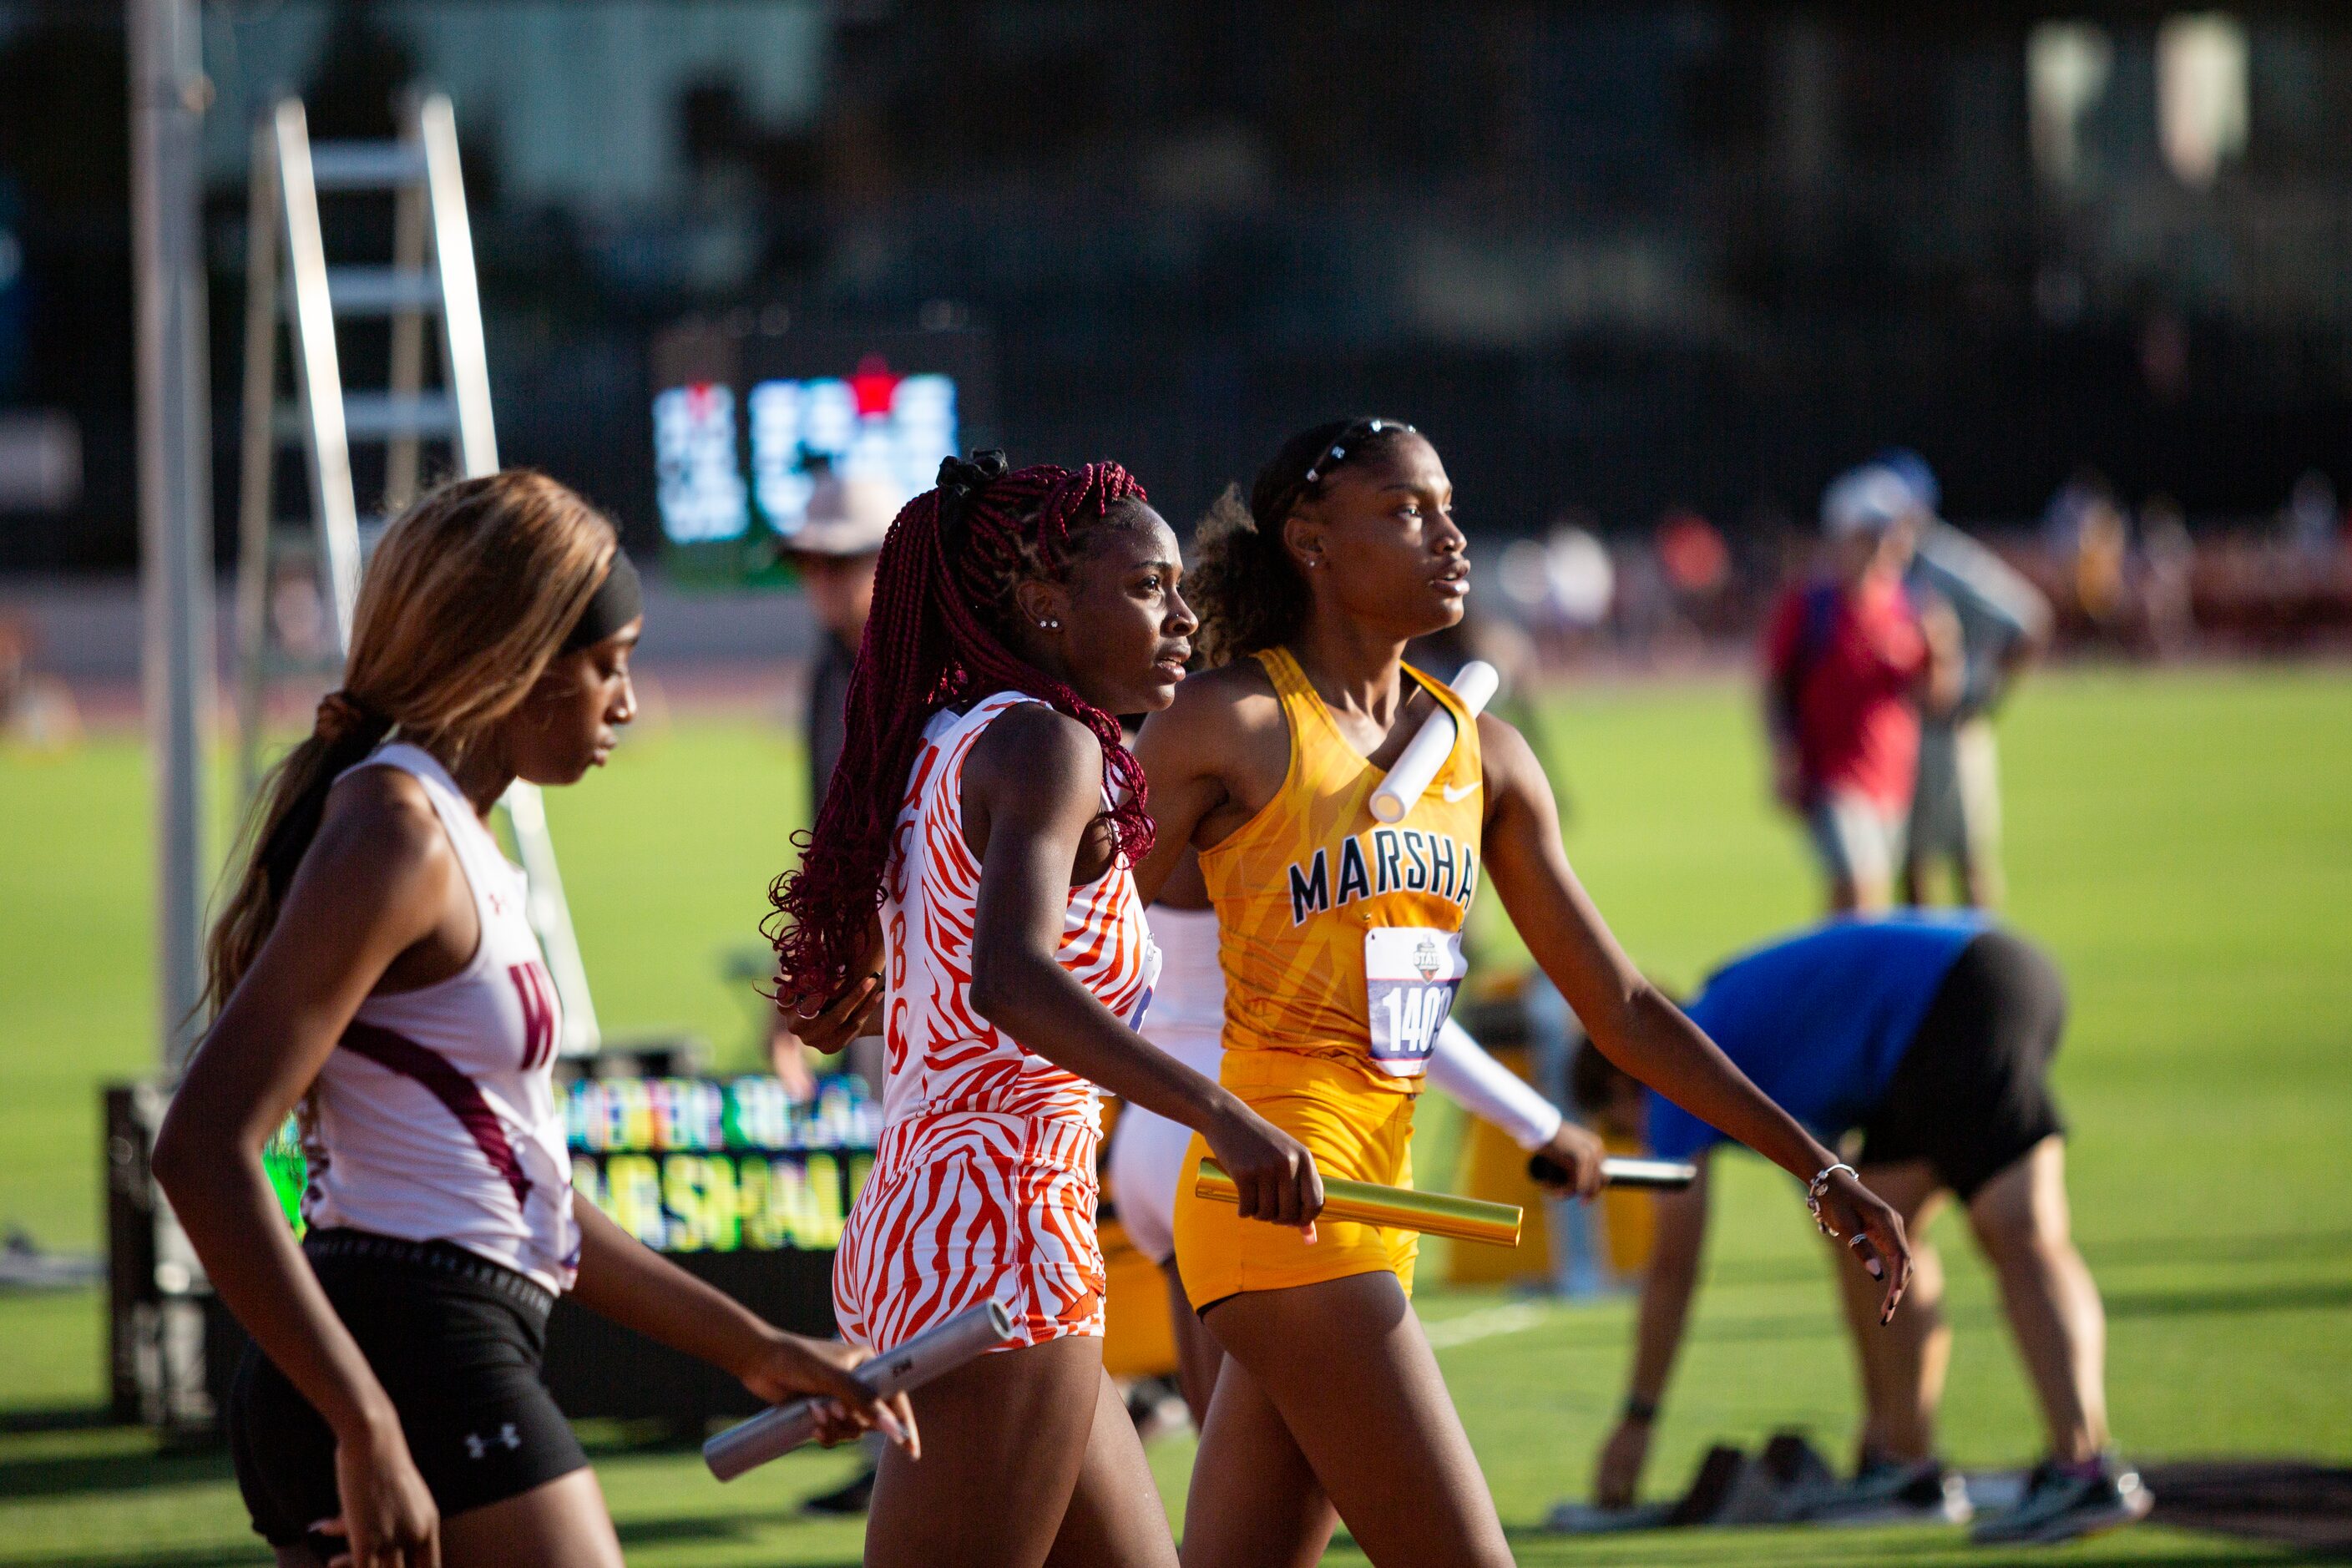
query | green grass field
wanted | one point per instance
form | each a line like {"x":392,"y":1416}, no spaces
{"x":2182,"y":841}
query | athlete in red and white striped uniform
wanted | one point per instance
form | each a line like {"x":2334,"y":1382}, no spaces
{"x":437,"y":1120}
{"x":984,"y":1185}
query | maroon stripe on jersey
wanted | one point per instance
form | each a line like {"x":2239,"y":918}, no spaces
{"x":536,"y":990}
{"x":398,"y":1053}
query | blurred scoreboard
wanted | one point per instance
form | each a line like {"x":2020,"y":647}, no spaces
{"x":700,"y":1165}
{"x":735,"y":1183}
{"x":747,"y":423}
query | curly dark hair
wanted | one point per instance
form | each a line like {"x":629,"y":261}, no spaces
{"x":1247,"y":591}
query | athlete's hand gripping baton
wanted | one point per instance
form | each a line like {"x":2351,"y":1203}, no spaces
{"x":1397,"y":1208}
{"x":1474,"y":686}
{"x":779,"y":1429}
{"x":1656,"y":1175}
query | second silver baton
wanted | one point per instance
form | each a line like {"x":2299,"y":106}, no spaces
{"x":780,"y":1428}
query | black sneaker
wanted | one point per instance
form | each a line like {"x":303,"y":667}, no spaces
{"x":2062,"y":1503}
{"x":852,"y":1497}
{"x":1892,"y":1491}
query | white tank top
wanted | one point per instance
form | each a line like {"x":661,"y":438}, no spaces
{"x":942,"y":1055}
{"x":1188,"y":1005}
{"x":435,"y":1119}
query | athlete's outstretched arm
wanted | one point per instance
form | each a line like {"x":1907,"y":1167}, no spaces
{"x":628,"y":1281}
{"x":1631,"y":1021}
{"x":1031,"y":800}
{"x":373,"y":883}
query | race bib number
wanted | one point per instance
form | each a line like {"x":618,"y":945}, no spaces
{"x":1411,"y":973}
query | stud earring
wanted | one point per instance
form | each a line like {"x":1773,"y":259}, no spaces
{"x":1051,"y":626}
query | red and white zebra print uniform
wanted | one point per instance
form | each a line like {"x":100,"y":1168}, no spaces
{"x":984,"y":1185}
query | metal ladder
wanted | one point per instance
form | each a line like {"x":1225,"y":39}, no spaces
{"x":432,"y":274}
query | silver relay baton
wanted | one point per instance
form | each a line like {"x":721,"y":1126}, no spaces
{"x":779,"y":1429}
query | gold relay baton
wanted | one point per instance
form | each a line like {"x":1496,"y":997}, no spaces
{"x":1398,"y":1208}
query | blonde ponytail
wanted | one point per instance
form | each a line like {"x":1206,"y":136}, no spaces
{"x":467,"y":598}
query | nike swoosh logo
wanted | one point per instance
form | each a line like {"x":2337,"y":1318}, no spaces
{"x":1455,"y":796}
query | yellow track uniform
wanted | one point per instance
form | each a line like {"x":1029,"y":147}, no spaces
{"x":1340,"y":941}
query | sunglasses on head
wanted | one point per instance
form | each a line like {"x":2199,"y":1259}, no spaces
{"x":1347,"y":440}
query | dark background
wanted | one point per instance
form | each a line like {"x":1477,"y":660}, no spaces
{"x":1615,"y":259}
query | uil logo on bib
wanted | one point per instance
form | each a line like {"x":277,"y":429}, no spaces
{"x":1411,"y":975}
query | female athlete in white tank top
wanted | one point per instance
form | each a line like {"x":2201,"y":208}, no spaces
{"x":436,"y":1119}
{"x":373,"y":965}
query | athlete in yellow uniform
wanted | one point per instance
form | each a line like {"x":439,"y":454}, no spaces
{"x":1340,"y":946}
{"x":1340,"y":938}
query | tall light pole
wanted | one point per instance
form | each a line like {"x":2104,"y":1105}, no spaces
{"x":169,"y":94}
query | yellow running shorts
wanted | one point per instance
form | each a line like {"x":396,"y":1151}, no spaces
{"x":1362,"y":1134}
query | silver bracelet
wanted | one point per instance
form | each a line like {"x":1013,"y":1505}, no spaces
{"x":1820,"y":1184}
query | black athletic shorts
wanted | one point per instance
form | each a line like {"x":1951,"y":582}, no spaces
{"x":457,"y":1341}
{"x":1971,"y":1095}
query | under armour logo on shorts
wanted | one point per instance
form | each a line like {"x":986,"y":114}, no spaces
{"x":477,"y":1447}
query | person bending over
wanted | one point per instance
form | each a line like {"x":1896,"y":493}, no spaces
{"x":1932,"y":1036}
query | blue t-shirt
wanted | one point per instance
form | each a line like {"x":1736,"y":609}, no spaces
{"x":1820,"y":1019}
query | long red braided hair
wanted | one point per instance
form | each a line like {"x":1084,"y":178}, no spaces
{"x":942,"y":592}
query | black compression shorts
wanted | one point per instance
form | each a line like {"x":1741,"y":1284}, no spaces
{"x":1971,"y":1095}
{"x":457,"y":1341}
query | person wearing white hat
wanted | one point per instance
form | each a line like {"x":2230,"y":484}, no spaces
{"x":1850,"y":659}
{"x":835,"y":552}
{"x":2004,"y":623}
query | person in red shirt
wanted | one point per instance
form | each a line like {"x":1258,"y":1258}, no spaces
{"x":1850,"y":660}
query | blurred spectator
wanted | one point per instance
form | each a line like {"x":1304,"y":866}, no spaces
{"x":1561,"y":587}
{"x":1693,"y":553}
{"x":2004,"y":623}
{"x":1849,"y":662}
{"x":1649,"y":608}
{"x":2312,"y":520}
{"x":2061,"y":520}
{"x":2102,"y":547}
{"x":835,"y":552}
{"x":36,"y":710}
{"x":1697,"y":565}
{"x":2167,"y":577}
{"x":2086,"y":529}
{"x":12,"y":670}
